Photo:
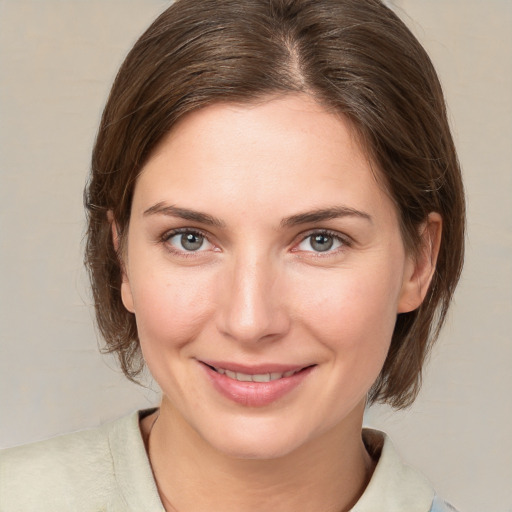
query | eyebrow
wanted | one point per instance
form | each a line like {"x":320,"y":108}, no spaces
{"x":324,"y":214}
{"x":294,"y":220}
{"x":184,"y":213}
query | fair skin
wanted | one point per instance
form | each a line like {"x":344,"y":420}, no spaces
{"x":260,"y":242}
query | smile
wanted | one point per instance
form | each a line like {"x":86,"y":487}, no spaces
{"x":257,"y":386}
{"x":256,"y":377}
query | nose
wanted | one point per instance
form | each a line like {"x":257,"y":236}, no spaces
{"x":252,"y":307}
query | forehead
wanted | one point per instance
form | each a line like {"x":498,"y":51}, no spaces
{"x":276,"y":154}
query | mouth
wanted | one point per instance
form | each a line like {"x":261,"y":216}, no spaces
{"x":255,"y":386}
{"x":255,"y":377}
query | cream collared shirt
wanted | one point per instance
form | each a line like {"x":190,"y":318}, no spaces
{"x":107,"y":469}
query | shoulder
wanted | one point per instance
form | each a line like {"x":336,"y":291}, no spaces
{"x":63,"y":473}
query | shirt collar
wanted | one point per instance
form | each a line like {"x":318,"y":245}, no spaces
{"x":136,"y":487}
{"x":394,"y":485}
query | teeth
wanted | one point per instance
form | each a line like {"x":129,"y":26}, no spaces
{"x":263,"y":377}
{"x":258,"y":377}
{"x":230,"y":374}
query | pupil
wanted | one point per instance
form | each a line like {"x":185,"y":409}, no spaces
{"x":322,"y":242}
{"x":191,"y":241}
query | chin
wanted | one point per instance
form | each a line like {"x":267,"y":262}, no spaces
{"x":260,"y":439}
{"x":256,"y":447}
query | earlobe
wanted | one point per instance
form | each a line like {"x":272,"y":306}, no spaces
{"x":126,"y":293}
{"x":421,"y":266}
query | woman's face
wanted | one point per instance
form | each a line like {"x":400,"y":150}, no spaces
{"x":265,"y":268}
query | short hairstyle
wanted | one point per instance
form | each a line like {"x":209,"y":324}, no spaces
{"x":355,"y":57}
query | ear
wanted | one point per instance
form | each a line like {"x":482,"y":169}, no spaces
{"x":126,"y":292}
{"x":420,"y":266}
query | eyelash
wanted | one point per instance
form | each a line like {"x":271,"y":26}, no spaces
{"x":345,"y":241}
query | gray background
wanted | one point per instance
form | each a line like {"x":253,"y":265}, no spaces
{"x":57,"y":61}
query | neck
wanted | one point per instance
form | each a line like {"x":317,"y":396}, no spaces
{"x":328,"y":473}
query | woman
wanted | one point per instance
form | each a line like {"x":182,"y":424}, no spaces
{"x":276,"y":222}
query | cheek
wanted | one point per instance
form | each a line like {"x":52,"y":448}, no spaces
{"x":352,"y":312}
{"x":170,"y":308}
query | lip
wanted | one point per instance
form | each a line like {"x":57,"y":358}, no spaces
{"x":254,"y":394}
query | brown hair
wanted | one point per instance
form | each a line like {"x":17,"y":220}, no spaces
{"x":353,"y":56}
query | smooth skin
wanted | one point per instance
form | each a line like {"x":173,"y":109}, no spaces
{"x":259,"y":234}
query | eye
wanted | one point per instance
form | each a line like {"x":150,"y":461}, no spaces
{"x":188,"y":241}
{"x":321,"y":242}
